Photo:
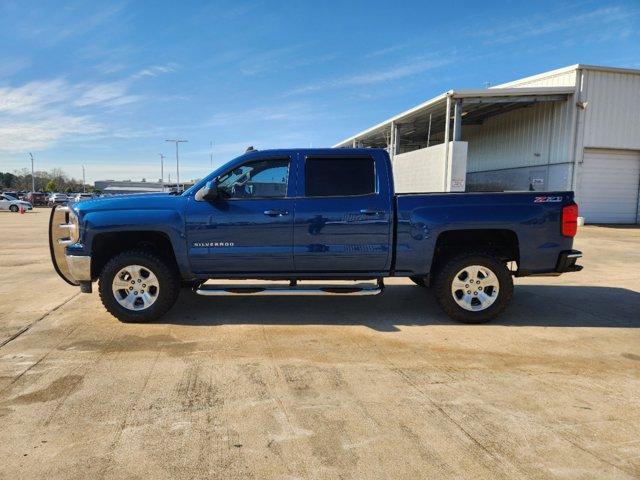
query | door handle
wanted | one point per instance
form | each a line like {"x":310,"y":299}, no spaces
{"x":369,"y":211}
{"x":276,"y":213}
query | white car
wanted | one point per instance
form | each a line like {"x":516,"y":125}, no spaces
{"x":7,"y":202}
{"x":56,"y":199}
{"x":83,"y":196}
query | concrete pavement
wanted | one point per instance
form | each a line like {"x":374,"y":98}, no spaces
{"x":378,"y":387}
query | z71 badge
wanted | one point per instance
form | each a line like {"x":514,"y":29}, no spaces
{"x":213,"y":244}
{"x":547,"y":199}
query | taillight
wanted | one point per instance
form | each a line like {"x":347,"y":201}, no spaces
{"x":570,"y":220}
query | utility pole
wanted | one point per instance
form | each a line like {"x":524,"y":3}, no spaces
{"x":33,"y":179}
{"x":177,"y":141}
{"x":211,"y":155}
{"x":162,"y":170}
{"x":84,"y":183}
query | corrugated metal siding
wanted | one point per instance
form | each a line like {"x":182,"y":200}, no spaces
{"x":555,"y":178}
{"x":528,"y":136}
{"x":612,"y":116}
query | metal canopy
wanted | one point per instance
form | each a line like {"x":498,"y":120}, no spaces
{"x":475,"y":105}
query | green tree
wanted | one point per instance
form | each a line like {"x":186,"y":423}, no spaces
{"x":51,"y":186}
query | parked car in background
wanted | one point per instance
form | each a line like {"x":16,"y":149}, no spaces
{"x":57,"y":199}
{"x":7,"y":202}
{"x":82,"y":196}
{"x":36,"y":198}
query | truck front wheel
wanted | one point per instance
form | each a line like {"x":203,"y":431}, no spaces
{"x":473,"y":288}
{"x":138,"y":286}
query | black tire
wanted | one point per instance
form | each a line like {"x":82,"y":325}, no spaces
{"x":444,"y":281}
{"x":13,"y":208}
{"x":168,"y":280}
{"x":418,"y":281}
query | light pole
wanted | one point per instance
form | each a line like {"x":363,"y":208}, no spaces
{"x":177,"y":141}
{"x":211,"y":155}
{"x":162,"y":170}
{"x":33,"y":179}
{"x":84,"y":183}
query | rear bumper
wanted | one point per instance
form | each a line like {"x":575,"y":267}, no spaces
{"x":567,"y":261}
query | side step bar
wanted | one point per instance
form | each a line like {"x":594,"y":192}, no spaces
{"x":293,"y":289}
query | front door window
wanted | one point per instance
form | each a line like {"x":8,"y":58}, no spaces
{"x":259,"y":179}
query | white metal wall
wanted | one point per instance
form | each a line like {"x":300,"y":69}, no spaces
{"x":535,"y":135}
{"x":425,"y":170}
{"x":552,"y":177}
{"x":612,"y":114}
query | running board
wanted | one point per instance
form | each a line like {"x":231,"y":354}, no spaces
{"x":289,"y":290}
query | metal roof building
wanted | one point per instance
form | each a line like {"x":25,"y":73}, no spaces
{"x":574,"y":128}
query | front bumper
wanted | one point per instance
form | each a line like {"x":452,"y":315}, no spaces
{"x":79,"y":267}
{"x":71,"y":268}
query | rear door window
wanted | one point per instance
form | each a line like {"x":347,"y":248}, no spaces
{"x":339,"y":176}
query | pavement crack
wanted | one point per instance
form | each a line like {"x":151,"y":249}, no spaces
{"x":26,"y":328}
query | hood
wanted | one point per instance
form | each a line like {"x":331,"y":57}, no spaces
{"x":139,"y":201}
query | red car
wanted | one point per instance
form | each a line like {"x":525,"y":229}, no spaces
{"x":36,"y":198}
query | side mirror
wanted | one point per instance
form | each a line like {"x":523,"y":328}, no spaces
{"x":208,"y":193}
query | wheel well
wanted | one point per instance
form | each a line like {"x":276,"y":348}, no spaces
{"x":105,"y":246}
{"x":500,"y":242}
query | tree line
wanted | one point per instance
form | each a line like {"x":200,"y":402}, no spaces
{"x":55,"y":180}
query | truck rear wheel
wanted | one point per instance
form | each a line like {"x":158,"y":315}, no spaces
{"x":137,"y":286}
{"x":473,"y":288}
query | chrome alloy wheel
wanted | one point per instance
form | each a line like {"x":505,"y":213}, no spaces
{"x":475,"y":288}
{"x":135,"y":287}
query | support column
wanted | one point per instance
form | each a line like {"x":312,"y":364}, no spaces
{"x":396,"y":139}
{"x":457,"y":121}
{"x":393,"y":140}
{"x":447,"y":117}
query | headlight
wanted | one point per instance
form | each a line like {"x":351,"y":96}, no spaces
{"x":74,"y":226}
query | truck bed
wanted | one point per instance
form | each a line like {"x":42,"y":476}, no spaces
{"x":532,"y":218}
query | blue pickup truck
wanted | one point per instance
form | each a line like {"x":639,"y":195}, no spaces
{"x":311,"y":214}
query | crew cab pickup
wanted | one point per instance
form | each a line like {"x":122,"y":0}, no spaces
{"x":311,"y":214}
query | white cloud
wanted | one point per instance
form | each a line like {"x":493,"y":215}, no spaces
{"x":381,"y":75}
{"x":41,"y":113}
{"x":107,"y":94}
{"x":40,"y":133}
{"x":155,"y":70}
{"x":291,"y":112}
{"x":558,"y":23}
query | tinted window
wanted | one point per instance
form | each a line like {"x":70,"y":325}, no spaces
{"x":258,"y":179}
{"x":339,"y":177}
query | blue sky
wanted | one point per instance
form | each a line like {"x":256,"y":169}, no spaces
{"x":105,"y":83}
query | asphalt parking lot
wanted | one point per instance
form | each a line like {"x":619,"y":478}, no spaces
{"x":373,"y":387}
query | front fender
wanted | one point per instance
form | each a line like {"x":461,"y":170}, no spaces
{"x":167,"y":221}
